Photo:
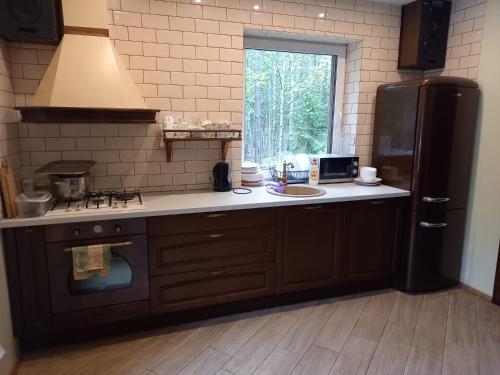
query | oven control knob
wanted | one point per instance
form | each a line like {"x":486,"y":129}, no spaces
{"x":355,"y":163}
{"x":97,"y":229}
{"x":77,"y":232}
{"x":118,"y":228}
{"x":354,"y":171}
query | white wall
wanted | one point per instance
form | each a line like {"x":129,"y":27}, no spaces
{"x":6,"y":337}
{"x":483,"y":230}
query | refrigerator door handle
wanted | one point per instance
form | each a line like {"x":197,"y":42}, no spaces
{"x":435,"y":199}
{"x":426,"y":224}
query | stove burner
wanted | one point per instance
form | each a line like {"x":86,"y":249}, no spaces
{"x":125,"y":196}
{"x":103,"y":199}
{"x":96,"y":198}
{"x":97,"y":201}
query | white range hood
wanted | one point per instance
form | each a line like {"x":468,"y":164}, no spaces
{"x":86,"y":81}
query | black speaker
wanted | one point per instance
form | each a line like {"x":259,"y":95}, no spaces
{"x":35,"y":21}
{"x":424,"y":34}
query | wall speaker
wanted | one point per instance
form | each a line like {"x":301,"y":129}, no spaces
{"x":424,"y":34}
{"x":35,"y":21}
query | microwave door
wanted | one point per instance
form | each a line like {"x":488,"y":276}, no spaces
{"x":334,"y":170}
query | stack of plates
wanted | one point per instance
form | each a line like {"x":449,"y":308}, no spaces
{"x":251,"y":174}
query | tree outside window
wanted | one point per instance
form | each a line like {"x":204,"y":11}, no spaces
{"x":288,"y":104}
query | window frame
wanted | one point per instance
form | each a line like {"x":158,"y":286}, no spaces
{"x":296,"y":43}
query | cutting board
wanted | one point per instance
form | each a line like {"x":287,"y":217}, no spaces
{"x":9,"y":188}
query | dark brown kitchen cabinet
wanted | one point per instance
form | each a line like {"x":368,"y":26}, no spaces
{"x":201,"y":250}
{"x":210,"y":287}
{"x":308,"y":246}
{"x":28,"y":280}
{"x":370,"y":239}
{"x":208,"y":221}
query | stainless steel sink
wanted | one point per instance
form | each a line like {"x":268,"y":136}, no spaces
{"x":299,"y":191}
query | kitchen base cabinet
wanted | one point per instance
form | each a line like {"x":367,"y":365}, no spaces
{"x":370,"y":239}
{"x":209,"y":287}
{"x":308,"y":246}
{"x":210,"y":264}
{"x":29,"y":290}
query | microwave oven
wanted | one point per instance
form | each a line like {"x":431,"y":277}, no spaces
{"x":336,"y":168}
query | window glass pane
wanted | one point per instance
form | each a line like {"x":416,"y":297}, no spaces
{"x":287,"y":104}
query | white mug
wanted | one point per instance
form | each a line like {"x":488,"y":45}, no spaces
{"x":368,"y":173}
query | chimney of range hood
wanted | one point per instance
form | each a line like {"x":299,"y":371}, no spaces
{"x":86,"y":81}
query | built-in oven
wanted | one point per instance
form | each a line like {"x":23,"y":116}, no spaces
{"x":336,"y":168}
{"x":127,"y":280}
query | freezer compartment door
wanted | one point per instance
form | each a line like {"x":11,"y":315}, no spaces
{"x":435,"y":247}
{"x":444,"y":146}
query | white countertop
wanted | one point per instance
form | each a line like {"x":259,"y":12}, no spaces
{"x":174,"y":204}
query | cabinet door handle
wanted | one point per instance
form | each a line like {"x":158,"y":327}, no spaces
{"x":435,"y":199}
{"x":312,"y":207}
{"x":112,"y":246}
{"x":426,"y":224}
{"x":212,"y":216}
{"x":376,"y":202}
{"x":216,"y":273}
{"x":215,"y":235}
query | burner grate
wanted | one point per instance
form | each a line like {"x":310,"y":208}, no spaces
{"x":126,"y":196}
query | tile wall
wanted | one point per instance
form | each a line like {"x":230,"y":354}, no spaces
{"x":187,"y":59}
{"x":464,"y":39}
{"x":9,"y":140}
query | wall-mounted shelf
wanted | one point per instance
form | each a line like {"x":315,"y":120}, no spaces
{"x":225,"y":137}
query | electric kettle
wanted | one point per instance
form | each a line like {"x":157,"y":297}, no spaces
{"x":222,"y":177}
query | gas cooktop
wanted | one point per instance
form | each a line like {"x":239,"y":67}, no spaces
{"x":108,"y":200}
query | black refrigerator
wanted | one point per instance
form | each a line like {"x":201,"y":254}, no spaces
{"x":424,"y":142}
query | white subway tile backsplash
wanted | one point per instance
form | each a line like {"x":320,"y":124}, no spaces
{"x":160,"y":180}
{"x":63,"y":144}
{"x":163,"y":7}
{"x":184,"y":178}
{"x":181,"y":24}
{"x":120,"y":169}
{"x":74,"y":130}
{"x":103,"y":129}
{"x":127,"y":18}
{"x":207,"y":26}
{"x":118,"y":143}
{"x":85,"y":143}
{"x":106,"y":156}
{"x":187,"y":59}
{"x":141,"y":34}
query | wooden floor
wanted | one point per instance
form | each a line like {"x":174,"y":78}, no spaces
{"x":385,"y":333}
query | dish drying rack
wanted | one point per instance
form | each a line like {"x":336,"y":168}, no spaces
{"x":225,"y":136}
{"x":293,"y":177}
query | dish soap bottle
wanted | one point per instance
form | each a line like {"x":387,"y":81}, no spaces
{"x":314,"y":173}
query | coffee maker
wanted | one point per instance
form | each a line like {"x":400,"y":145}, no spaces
{"x":222,"y":177}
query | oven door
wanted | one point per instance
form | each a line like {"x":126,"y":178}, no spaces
{"x":337,"y":169}
{"x":127,"y":280}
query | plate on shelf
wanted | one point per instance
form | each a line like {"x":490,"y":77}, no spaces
{"x":360,"y":181}
{"x":252,"y":177}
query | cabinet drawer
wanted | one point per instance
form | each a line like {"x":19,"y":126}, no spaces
{"x":202,"y":250}
{"x":208,"y":221}
{"x":210,"y":287}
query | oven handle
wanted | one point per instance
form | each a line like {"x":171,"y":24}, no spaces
{"x":113,"y":246}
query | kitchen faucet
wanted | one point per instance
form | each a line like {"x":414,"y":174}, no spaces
{"x":284,"y":173}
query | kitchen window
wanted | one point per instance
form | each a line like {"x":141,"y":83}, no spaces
{"x":293,"y":98}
